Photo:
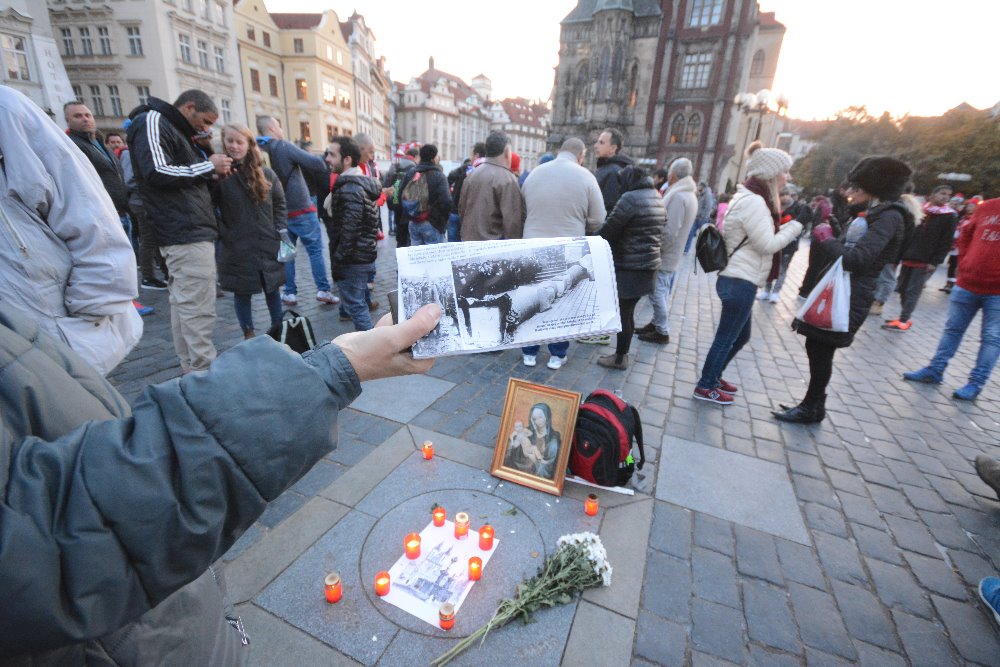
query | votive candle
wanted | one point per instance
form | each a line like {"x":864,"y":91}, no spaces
{"x":428,"y":450}
{"x":461,"y":525}
{"x":475,"y":568}
{"x":446,"y":616}
{"x":334,"y":587}
{"x":486,"y":537}
{"x":412,"y":546}
{"x":591,"y":504}
{"x":382,"y":583}
{"x":439,"y":516}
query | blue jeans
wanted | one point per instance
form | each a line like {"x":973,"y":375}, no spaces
{"x":352,"y":282}
{"x":660,"y":298}
{"x":454,"y":227}
{"x":306,"y":228}
{"x":698,"y":224}
{"x":244,"y":314}
{"x":734,"y":328}
{"x":962,"y":307}
{"x":423,"y":233}
{"x":555,"y":349}
{"x":886,"y":283}
{"x":127,"y":226}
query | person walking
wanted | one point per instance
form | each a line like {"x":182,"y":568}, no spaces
{"x":634,"y":230}
{"x":870,"y":243}
{"x":252,"y":205}
{"x":754,"y":237}
{"x":977,"y":287}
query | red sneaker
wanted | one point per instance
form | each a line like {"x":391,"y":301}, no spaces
{"x":727,"y":387}
{"x":713,"y":396}
{"x":896,"y":325}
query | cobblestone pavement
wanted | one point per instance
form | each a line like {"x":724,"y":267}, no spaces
{"x":900,"y":529}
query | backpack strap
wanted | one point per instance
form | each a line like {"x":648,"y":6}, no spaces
{"x":638,"y":437}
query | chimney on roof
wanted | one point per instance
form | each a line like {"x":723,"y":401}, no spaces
{"x":430,"y":63}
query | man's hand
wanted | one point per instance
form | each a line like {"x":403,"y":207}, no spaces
{"x":223,"y":163}
{"x":383,"y":351}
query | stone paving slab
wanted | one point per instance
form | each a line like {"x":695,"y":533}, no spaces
{"x":400,"y":399}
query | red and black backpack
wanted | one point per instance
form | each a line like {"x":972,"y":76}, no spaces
{"x":602,"y":442}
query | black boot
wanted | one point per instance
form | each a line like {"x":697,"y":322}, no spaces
{"x":806,"y":412}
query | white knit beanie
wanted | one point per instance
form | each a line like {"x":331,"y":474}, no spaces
{"x":767,"y":163}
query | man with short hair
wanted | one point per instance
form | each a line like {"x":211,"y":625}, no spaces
{"x":610,"y":162}
{"x":682,"y":207}
{"x":456,"y":179}
{"x":425,"y":205}
{"x":562,"y":199}
{"x":353,"y":208}
{"x":491,"y":204}
{"x":660,"y":177}
{"x":289,"y":162}
{"x":173,"y":175}
{"x":115,"y":143}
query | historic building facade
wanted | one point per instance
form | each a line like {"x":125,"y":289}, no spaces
{"x":666,"y":73}
{"x":31,"y":62}
{"x":526,"y":123}
{"x":119,"y":54}
{"x":371,"y":85}
{"x":261,"y":67}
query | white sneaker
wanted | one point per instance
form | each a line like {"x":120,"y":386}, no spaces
{"x":529,"y":360}
{"x":326,"y":297}
{"x":762,"y":294}
{"x":289,"y":299}
{"x":555,"y":363}
{"x":774,"y":297}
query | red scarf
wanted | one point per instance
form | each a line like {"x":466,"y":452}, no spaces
{"x":762,"y":189}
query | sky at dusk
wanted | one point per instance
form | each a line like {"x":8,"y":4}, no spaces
{"x":916,"y":57}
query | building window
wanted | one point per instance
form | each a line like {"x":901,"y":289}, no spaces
{"x":220,"y":60}
{"x":222,"y":13}
{"x":86,"y":45}
{"x":97,"y":102}
{"x":272,"y":83}
{"x":185,"y":44}
{"x":206,"y":9}
{"x":693,"y":133}
{"x":304,"y":133}
{"x":705,"y":13}
{"x":143,"y":92}
{"x":603,"y":90}
{"x":633,"y":86}
{"x":105,"y":40}
{"x":695,"y":70}
{"x":267,"y":39}
{"x":677,"y":129}
{"x":77,"y":93}
{"x":203,"y":54}
{"x":757,"y":64}
{"x":301,"y":89}
{"x":329,"y":92}
{"x":116,"y":101}
{"x":15,"y":58}
{"x":67,"y":41}
{"x":340,"y":61}
{"x":251,"y":33}
{"x":298,"y":46}
{"x":330,"y":133}
{"x":134,"y":41}
{"x":345,"y":100}
{"x":227,"y":114}
{"x":329,"y":53}
{"x":188,"y":6}
{"x":254,"y":80}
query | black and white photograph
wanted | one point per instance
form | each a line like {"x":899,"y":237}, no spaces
{"x":433,"y":289}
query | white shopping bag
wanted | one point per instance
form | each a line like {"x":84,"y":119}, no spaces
{"x":829,"y":304}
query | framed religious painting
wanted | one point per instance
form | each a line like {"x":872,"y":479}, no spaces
{"x":536,"y":434}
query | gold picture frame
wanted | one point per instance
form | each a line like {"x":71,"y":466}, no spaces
{"x":536,"y":435}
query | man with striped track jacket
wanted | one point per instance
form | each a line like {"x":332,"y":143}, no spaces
{"x":173,"y":169}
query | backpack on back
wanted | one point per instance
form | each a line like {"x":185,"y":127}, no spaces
{"x":296,"y":332}
{"x":416,"y":198}
{"x":602,"y":441}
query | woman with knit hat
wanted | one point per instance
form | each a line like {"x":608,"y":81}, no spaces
{"x":754,"y":238}
{"x":877,"y":182}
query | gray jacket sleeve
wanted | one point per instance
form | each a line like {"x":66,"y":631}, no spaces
{"x":105,"y":522}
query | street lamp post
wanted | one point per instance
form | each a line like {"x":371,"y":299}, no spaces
{"x":759,"y":104}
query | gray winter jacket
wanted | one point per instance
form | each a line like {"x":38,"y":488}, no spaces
{"x":110,"y":519}
{"x":681,"y":201}
{"x":289,"y":162}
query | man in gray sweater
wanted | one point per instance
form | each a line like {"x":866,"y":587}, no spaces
{"x":681,"y":201}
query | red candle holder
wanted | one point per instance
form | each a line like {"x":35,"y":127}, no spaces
{"x":334,"y":587}
{"x":382,"y":583}
{"x":412,"y":546}
{"x":446,"y":616}
{"x":486,"y":537}
{"x":591,"y":504}
{"x":475,"y":568}
{"x":461,"y":525}
{"x":428,"y":450}
{"x":439,"y":516}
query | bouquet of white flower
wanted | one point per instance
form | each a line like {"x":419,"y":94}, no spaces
{"x":579,"y":562}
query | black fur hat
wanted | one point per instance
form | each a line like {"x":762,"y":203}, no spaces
{"x":882,"y":177}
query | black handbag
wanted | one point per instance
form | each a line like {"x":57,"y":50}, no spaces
{"x":296,"y":332}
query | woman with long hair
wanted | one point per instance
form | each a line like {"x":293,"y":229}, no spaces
{"x":754,"y":238}
{"x":871,"y":242}
{"x":252,"y":204}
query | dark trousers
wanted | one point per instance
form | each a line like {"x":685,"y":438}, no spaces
{"x":909,"y":285}
{"x":627,"y":308}
{"x":149,"y":253}
{"x":820,"y":369}
{"x":244,"y":312}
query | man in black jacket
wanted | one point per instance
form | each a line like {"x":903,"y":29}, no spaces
{"x":426,"y":205}
{"x":173,"y":174}
{"x":610,"y":161}
{"x":353,"y":209}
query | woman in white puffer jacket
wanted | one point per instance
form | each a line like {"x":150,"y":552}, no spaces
{"x":754,"y":239}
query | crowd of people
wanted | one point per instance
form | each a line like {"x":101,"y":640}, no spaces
{"x":157,"y":492}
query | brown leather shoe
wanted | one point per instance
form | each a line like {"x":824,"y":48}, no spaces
{"x":611,"y":361}
{"x":655,"y":337}
{"x":988,"y":470}
{"x":645,"y":329}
